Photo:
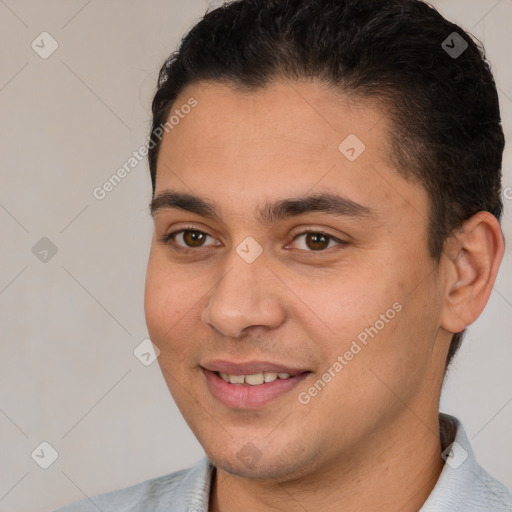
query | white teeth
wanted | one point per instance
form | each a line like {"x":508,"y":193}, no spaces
{"x":254,"y":379}
{"x":270,"y":376}
{"x":236,"y":379}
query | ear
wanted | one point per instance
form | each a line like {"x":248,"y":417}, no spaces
{"x":473,"y":256}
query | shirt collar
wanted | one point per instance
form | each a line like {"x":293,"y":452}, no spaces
{"x":460,"y":471}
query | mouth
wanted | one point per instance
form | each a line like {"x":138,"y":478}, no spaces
{"x":250,"y":385}
{"x":254,"y":379}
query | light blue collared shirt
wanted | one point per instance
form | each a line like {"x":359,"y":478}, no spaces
{"x":462,"y":486}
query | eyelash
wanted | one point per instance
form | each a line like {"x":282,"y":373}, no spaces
{"x":168,"y":239}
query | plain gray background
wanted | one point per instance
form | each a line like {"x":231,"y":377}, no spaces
{"x":70,"y":324}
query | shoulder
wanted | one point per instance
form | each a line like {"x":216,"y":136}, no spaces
{"x":464,"y":485}
{"x":488,"y":493}
{"x":484,"y":493}
{"x":189,"y":487}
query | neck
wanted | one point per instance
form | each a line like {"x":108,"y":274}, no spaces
{"x":396,"y":469}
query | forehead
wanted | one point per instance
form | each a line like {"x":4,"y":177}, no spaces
{"x":286,"y":139}
{"x":283,"y":119}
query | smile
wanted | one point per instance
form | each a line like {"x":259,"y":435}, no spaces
{"x":254,"y":379}
{"x":250,"y":386}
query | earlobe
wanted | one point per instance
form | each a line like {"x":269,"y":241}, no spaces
{"x":473,"y":258}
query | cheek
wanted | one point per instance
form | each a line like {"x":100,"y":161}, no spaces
{"x":357,"y":298}
{"x":372,"y":316}
{"x":170,"y":303}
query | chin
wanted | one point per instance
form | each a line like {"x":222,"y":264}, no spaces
{"x":260,"y":471}
{"x":250,"y":462}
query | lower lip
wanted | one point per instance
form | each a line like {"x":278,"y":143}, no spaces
{"x":244,"y":396}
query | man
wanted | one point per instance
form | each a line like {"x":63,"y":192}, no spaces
{"x":326,"y":201}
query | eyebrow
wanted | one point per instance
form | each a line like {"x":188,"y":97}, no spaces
{"x":270,"y":212}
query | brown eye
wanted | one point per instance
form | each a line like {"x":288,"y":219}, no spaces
{"x":316,"y":241}
{"x":188,"y":239}
{"x":194,"y":238}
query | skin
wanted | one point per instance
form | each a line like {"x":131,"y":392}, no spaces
{"x":369,"y":440}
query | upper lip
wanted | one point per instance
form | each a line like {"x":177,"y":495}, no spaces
{"x":249,"y":367}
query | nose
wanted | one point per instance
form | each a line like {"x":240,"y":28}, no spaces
{"x":245,"y":298}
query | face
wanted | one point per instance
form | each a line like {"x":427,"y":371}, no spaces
{"x":289,"y":287}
